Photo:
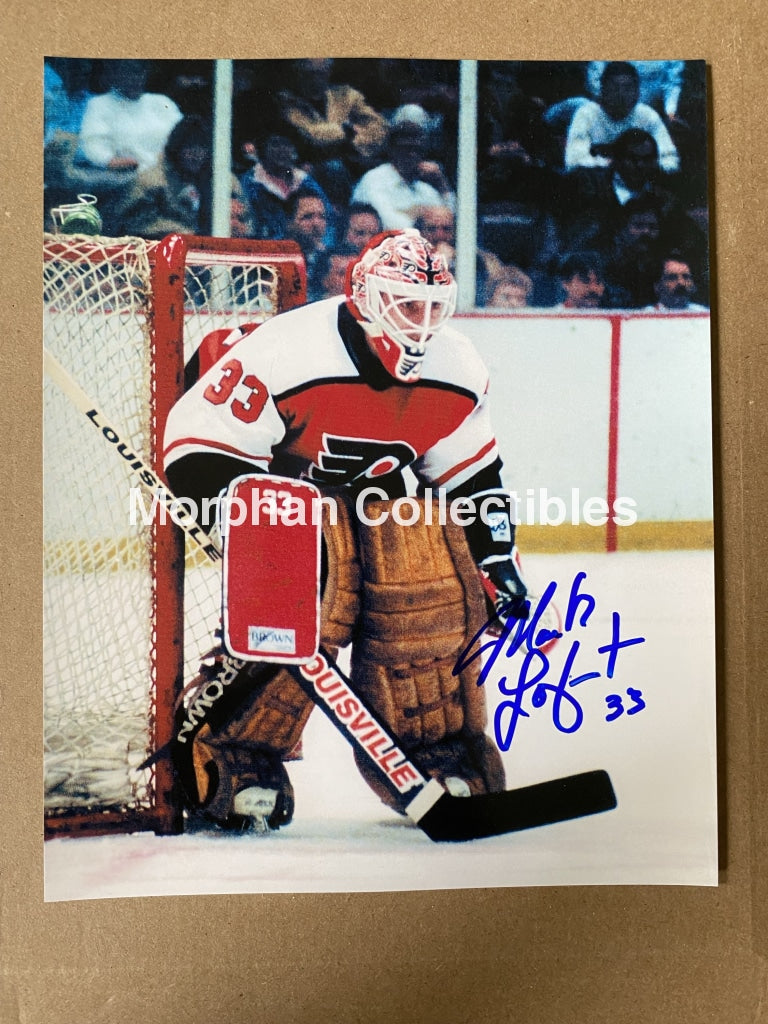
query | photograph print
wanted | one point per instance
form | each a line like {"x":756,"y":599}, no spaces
{"x":378,"y":516}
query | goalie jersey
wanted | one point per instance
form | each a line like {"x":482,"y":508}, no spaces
{"x":304,"y":397}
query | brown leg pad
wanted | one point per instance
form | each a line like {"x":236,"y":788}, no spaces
{"x":340,"y":606}
{"x":275,"y":715}
{"x":422,"y":604}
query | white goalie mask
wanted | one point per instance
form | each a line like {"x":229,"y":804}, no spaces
{"x":402,"y":292}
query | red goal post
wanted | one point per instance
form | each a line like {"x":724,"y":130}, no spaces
{"x":127,"y":612}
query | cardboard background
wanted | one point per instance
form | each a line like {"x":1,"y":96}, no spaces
{"x":562,"y":955}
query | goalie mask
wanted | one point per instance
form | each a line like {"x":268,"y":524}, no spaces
{"x":401,"y":292}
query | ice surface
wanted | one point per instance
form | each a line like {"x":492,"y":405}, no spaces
{"x":661,"y":760}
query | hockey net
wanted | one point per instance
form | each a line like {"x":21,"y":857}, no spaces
{"x":127,"y":612}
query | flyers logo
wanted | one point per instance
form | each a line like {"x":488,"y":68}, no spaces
{"x":345,"y":459}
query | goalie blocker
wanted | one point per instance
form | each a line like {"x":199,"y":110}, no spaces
{"x":270,"y":602}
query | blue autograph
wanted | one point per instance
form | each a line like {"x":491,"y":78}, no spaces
{"x":529,"y":636}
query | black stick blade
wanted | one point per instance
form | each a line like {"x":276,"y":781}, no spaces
{"x":455,"y":819}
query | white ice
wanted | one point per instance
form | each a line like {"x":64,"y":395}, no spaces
{"x":661,"y":761}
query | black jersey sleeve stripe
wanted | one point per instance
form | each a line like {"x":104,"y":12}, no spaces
{"x":203,"y":475}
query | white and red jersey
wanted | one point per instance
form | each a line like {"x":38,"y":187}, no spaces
{"x":304,"y":397}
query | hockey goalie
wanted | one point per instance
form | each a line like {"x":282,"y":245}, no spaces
{"x":370,"y":396}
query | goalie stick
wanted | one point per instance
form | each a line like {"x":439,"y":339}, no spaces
{"x":443,"y":817}
{"x":440,"y":815}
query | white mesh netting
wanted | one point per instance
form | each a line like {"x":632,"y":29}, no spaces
{"x":99,"y":635}
{"x":97,"y":585}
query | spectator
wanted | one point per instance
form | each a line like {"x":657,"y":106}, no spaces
{"x":632,"y":254}
{"x":675,"y":286}
{"x":175,"y":195}
{"x":307,"y":224}
{"x":438,"y":225}
{"x":361,"y":225}
{"x":411,"y":113}
{"x":688,"y":129}
{"x":634,"y":172}
{"x":596,"y":125}
{"x":189,"y":83}
{"x":67,"y":93}
{"x":398,"y":189}
{"x":66,"y":173}
{"x":341,"y":135}
{"x":273,"y":179}
{"x":511,"y":126}
{"x":591,"y":198}
{"x":255,"y":108}
{"x":55,"y":101}
{"x":582,"y":278}
{"x":127,"y":128}
{"x":661,"y":82}
{"x":514,"y":144}
{"x":240,"y":218}
{"x":390,"y":84}
{"x":332,"y":270}
{"x":512,"y":291}
{"x":641,"y":228}
{"x":393,"y":87}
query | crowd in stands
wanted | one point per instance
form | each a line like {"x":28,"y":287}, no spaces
{"x":591,"y":177}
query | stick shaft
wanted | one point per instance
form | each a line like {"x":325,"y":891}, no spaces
{"x":139,"y":467}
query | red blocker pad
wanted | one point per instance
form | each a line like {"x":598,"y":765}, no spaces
{"x":271,"y":569}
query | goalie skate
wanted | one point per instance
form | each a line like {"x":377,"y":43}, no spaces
{"x":255,"y":805}
{"x":232,"y":779}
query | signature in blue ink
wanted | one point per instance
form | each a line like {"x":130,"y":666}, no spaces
{"x":529,"y":636}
